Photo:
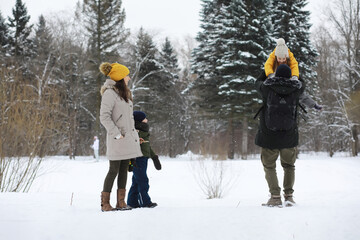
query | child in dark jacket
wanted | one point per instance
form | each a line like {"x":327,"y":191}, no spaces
{"x":138,"y":195}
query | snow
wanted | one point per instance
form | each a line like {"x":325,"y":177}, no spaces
{"x":326,"y":190}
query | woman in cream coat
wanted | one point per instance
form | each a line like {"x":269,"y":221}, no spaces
{"x":122,"y":141}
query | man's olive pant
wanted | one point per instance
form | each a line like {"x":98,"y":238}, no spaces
{"x":287,"y":159}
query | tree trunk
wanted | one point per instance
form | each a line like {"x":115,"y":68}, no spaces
{"x":355,"y":145}
{"x":231,"y":150}
{"x":244,"y":150}
{"x":170,"y":142}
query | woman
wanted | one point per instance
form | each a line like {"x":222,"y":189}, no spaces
{"x":116,"y":115}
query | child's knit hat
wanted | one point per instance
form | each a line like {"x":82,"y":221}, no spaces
{"x":139,"y":116}
{"x":281,"y":49}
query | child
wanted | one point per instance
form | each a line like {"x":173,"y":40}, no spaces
{"x":283,"y":55}
{"x":138,"y":195}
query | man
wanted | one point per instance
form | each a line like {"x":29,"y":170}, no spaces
{"x":278,"y":131}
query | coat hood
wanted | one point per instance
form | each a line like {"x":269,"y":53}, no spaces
{"x":283,"y":85}
{"x":109,"y":84}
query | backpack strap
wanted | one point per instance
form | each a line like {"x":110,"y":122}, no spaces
{"x":303,"y":108}
{"x":303,"y":115}
{"x":261,"y":108}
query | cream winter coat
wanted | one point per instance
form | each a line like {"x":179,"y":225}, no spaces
{"x":116,"y":115}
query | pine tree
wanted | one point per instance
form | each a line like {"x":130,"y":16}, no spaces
{"x":170,"y":97}
{"x":104,"y":22}
{"x":245,"y":34}
{"x":4,"y":36}
{"x":231,"y":54}
{"x":205,"y":56}
{"x":169,"y":59}
{"x":43,"y":59}
{"x":43,"y":39}
{"x":20,"y":42}
{"x":291,"y":22}
{"x":144,"y":60}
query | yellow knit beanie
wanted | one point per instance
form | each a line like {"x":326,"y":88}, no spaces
{"x":115,"y":71}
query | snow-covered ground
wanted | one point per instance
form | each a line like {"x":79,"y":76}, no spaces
{"x":327,"y":191}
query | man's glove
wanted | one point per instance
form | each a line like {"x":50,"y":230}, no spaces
{"x":317,"y":107}
{"x":132,"y":164}
{"x":157,"y":163}
{"x":293,"y":78}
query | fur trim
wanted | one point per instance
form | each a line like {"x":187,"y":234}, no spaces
{"x":285,"y":82}
{"x":109,"y":84}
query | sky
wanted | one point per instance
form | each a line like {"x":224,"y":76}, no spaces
{"x":176,"y":18}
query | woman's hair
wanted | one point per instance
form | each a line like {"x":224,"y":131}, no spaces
{"x":276,"y":63}
{"x":123,"y":90}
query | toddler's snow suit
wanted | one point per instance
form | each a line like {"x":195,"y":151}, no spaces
{"x":138,"y":195}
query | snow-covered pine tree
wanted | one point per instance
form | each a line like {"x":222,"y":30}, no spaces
{"x":153,"y":85}
{"x":245,"y":33}
{"x":291,"y":22}
{"x":171,"y":97}
{"x":145,"y":69}
{"x":205,"y":57}
{"x":233,"y":48}
{"x":207,"y":103}
{"x":4,"y":37}
{"x":43,"y":39}
{"x":104,"y":22}
{"x":43,"y":59}
{"x":19,"y":32}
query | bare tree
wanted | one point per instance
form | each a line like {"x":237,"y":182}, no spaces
{"x":347,"y":22}
{"x":26,"y":125}
{"x":212,"y":176}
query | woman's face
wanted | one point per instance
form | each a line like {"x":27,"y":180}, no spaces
{"x":281,"y":60}
{"x":127,"y":79}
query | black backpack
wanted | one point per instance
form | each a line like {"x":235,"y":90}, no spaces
{"x":281,"y":110}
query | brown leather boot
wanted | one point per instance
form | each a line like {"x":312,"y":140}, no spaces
{"x":121,"y":204}
{"x":105,"y":202}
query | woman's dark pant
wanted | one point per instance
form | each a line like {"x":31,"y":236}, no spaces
{"x":117,"y":168}
{"x":138,"y":195}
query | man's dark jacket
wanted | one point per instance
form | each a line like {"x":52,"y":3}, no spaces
{"x":265,"y":137}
